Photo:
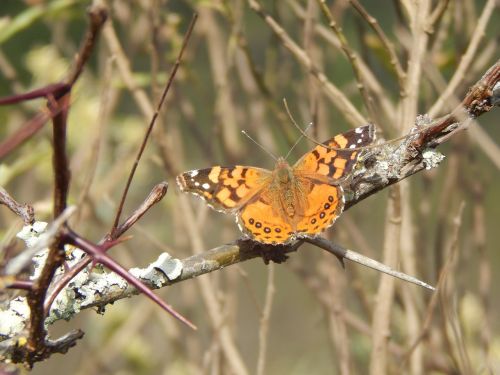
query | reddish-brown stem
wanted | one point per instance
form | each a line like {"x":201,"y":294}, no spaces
{"x":99,"y":256}
{"x":156,"y":194}
{"x":36,"y":123}
{"x":97,"y":16}
{"x":36,"y":94}
{"x":21,"y":284}
{"x":59,"y":159}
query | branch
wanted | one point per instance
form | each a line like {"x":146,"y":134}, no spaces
{"x":387,"y":165}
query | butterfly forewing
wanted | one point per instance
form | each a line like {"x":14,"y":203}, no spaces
{"x":224,"y":188}
{"x":337,"y":161}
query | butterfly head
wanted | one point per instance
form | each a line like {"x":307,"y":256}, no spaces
{"x":283,"y":171}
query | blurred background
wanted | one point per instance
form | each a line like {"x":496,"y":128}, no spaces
{"x":236,"y":71}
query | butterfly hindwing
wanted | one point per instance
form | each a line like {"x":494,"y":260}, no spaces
{"x":260,"y":221}
{"x":324,"y":204}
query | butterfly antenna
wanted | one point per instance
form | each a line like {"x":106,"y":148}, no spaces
{"x":303,"y":133}
{"x":258,"y":144}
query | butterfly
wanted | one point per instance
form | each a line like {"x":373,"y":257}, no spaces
{"x":289,"y":202}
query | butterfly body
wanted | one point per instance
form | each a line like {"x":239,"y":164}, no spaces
{"x":285,"y":190}
{"x":289,"y":202}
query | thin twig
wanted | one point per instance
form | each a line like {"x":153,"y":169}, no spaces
{"x":60,"y":160}
{"x":98,"y":138}
{"x":409,"y":260}
{"x":156,"y":194}
{"x":151,"y":124}
{"x":99,"y":256}
{"x":418,"y":13}
{"x":435,"y":297}
{"x":207,"y":289}
{"x":337,"y":97}
{"x":448,"y":312}
{"x":437,"y":14}
{"x":97,"y":15}
{"x":378,"y":90}
{"x":25,"y":211}
{"x":388,"y":45}
{"x":224,"y":102}
{"x":485,"y":267}
{"x":466,"y":60}
{"x":381,"y":322}
{"x":353,"y":59}
{"x":264,"y":321}
{"x":353,"y":256}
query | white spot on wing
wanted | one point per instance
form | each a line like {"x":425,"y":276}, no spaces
{"x":358,"y":130}
{"x":193,"y":173}
{"x":196,"y":184}
{"x":206,"y":186}
{"x":352,"y":146}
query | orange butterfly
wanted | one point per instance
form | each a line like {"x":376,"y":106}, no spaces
{"x":279,"y":206}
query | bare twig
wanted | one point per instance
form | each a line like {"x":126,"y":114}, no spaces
{"x":224,"y":102}
{"x":156,"y":194}
{"x":264,"y":321}
{"x":353,"y":256}
{"x":436,"y":14}
{"x":99,"y":256}
{"x":485,"y":268}
{"x":38,"y":121}
{"x":60,"y":160}
{"x":384,"y":300}
{"x":448,"y":311}
{"x":388,"y":45}
{"x":418,"y":13}
{"x":60,"y":345}
{"x":152,"y":123}
{"x":25,"y":211}
{"x":378,"y":91}
{"x":435,"y":297}
{"x":353,"y":59}
{"x":97,"y":16}
{"x":466,"y":59}
{"x":337,"y":97}
{"x":207,"y":289}
{"x":409,"y":261}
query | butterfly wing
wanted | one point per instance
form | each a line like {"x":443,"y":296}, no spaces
{"x":324,"y":204}
{"x":242,"y":191}
{"x":323,"y":168}
{"x":259,"y":220}
{"x":322,"y":162}
{"x":225,"y":189}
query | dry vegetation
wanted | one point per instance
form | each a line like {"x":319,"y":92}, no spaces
{"x":339,"y":64}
